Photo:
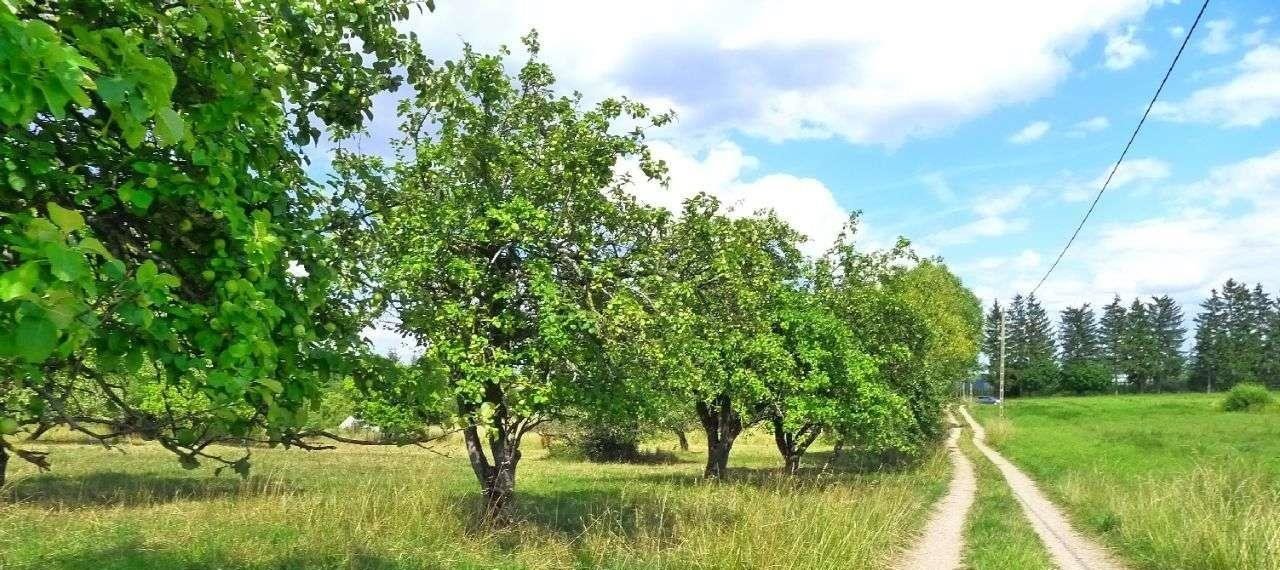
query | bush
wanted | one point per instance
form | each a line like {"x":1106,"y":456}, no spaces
{"x":609,"y":444}
{"x":1085,"y":377}
{"x":1041,"y":377}
{"x":1247,"y":397}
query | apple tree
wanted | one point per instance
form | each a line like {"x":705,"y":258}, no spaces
{"x":159,"y":226}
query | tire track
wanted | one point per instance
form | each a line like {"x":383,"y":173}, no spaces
{"x":941,"y":545}
{"x":1069,"y":549}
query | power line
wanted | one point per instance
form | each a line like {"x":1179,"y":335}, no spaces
{"x":1125,"y":152}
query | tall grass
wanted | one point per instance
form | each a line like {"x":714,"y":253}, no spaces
{"x":998,"y":430}
{"x":404,"y":508}
{"x":1214,"y":517}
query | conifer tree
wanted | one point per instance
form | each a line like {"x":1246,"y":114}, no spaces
{"x":991,"y":340}
{"x":1242,"y":343}
{"x":1111,"y":331}
{"x":1039,"y":369}
{"x":1016,"y":360}
{"x":1170,"y":335}
{"x":1138,"y":350}
{"x":1078,"y":332}
{"x":1270,"y":371}
{"x":1206,"y":369}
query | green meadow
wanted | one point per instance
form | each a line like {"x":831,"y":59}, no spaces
{"x":1169,"y":481}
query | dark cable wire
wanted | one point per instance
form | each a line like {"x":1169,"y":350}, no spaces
{"x":1133,"y":136}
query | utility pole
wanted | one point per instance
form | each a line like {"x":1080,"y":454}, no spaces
{"x":1001,"y":364}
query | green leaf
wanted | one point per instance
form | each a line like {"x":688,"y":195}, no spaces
{"x":113,"y":90}
{"x":94,"y":246}
{"x":68,"y":220}
{"x":272,"y":384}
{"x":147,"y":272}
{"x":18,"y":282}
{"x":139,"y":197}
{"x":65,"y":263}
{"x":114,"y":269}
{"x":61,"y":307}
{"x":169,"y":126}
{"x":17,"y":181}
{"x":35,"y":338}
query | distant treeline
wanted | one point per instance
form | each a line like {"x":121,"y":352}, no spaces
{"x":1138,"y":346}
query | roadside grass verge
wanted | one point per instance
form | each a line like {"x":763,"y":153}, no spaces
{"x":404,"y":508}
{"x":1170,"y":481}
{"x":997,"y":534}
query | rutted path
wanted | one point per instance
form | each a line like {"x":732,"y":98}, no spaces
{"x":1069,"y":549}
{"x":941,"y":546}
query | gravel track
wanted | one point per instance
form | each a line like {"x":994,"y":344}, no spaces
{"x":941,"y":545}
{"x":1069,"y":549}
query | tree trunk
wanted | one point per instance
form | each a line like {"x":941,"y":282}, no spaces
{"x":835,"y":455}
{"x":500,"y":490}
{"x":717,"y":459}
{"x":4,"y":464}
{"x":786,"y":446}
{"x":497,"y":480}
{"x":722,"y":425}
{"x":684,"y":441}
{"x":792,"y":446}
{"x":40,"y":430}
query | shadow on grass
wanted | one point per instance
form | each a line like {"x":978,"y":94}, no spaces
{"x":817,"y":471}
{"x":575,"y":514}
{"x":656,"y":457}
{"x":135,"y":555}
{"x":110,"y":488}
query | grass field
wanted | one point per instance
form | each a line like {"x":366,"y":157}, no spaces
{"x":385,"y":508}
{"x":1169,"y":481}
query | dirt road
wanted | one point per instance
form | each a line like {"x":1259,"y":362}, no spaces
{"x":1069,"y":549}
{"x":941,"y":546}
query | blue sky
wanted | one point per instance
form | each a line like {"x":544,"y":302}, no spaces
{"x":979,"y":130}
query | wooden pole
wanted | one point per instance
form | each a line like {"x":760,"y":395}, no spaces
{"x":1001,"y":364}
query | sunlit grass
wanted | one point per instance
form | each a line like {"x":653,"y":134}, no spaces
{"x":406,"y":508}
{"x":1170,"y":480}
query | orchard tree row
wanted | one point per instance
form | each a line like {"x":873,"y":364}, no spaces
{"x":503,"y":239}
{"x":168,"y":269}
{"x":1237,"y":340}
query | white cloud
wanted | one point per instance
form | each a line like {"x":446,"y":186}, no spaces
{"x":1032,"y":132}
{"x":1177,"y":31}
{"x":1215,"y":40}
{"x":1255,"y":180}
{"x":1254,"y":38}
{"x":1123,"y":50}
{"x":992,"y":218}
{"x":937,"y":184}
{"x":724,"y":171}
{"x":867,"y":72}
{"x":1027,"y":259}
{"x":1251,"y":97}
{"x":999,"y":204}
{"x":1087,"y":126}
{"x":1133,"y":171}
